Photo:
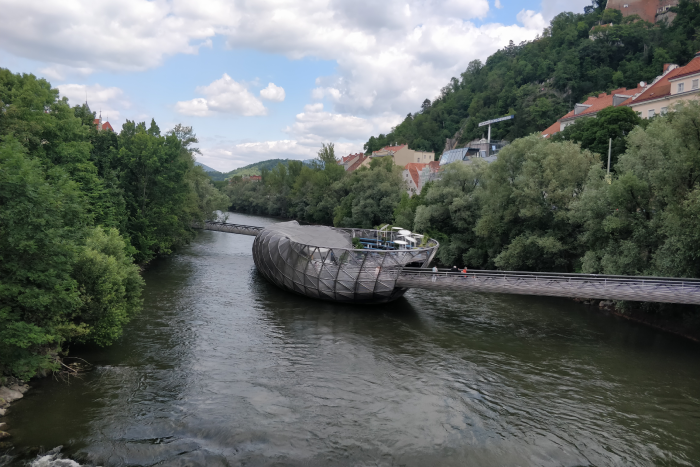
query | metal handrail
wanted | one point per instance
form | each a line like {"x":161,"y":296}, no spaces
{"x":556,"y":275}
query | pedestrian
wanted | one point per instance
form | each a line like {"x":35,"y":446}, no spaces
{"x":464,"y":272}
{"x":435,"y":271}
{"x":454,"y":269}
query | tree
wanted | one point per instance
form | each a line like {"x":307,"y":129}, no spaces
{"x":595,"y":133}
{"x":643,"y":221}
{"x":42,"y":220}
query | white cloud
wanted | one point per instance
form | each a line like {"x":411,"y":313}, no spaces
{"x":532,"y":20}
{"x":273,"y":93}
{"x":390,"y":55}
{"x":498,"y":4}
{"x":225,"y":96}
{"x":316,"y":125}
{"x":111,"y":102}
{"x":130,"y":35}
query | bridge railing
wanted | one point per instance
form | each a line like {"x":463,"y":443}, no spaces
{"x":635,"y":288}
{"x":231,"y":228}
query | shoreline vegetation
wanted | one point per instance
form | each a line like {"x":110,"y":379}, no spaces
{"x":83,"y":211}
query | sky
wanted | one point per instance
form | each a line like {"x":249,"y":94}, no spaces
{"x":261,"y":79}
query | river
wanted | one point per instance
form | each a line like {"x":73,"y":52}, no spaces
{"x":222,"y":368}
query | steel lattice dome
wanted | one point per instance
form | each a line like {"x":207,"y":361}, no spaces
{"x":321,"y":262}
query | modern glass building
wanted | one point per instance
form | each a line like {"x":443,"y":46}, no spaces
{"x":477,"y":148}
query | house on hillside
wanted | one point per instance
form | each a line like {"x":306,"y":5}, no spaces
{"x":253,"y":178}
{"x":416,"y":175}
{"x":411,"y":175}
{"x":353,"y":162}
{"x":674,"y":85}
{"x":592,"y":106}
{"x":403,"y":156}
{"x":430,"y":173}
{"x":652,"y":11}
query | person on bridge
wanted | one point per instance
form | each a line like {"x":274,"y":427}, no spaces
{"x":435,"y":271}
{"x":454,"y":269}
{"x":464,"y":272}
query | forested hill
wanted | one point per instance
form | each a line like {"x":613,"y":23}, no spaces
{"x":540,"y":81}
{"x":256,"y":169}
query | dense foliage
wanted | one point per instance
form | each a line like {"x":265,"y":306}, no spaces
{"x":322,"y":193}
{"x":542,"y":206}
{"x":540,"y":81}
{"x":78,"y":210}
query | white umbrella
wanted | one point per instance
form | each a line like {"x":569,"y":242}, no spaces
{"x":405,"y":232}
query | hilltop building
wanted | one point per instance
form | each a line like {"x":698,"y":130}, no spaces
{"x":403,"y":156}
{"x":652,"y":11}
{"x":102,"y":126}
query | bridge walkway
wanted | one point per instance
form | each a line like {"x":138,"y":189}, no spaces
{"x":586,"y":286}
{"x":230,"y":228}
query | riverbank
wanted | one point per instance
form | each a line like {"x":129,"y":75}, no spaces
{"x":11,"y":389}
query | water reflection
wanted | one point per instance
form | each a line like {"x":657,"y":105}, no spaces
{"x":223,"y":368}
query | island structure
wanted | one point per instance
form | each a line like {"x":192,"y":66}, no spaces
{"x":338,"y":264}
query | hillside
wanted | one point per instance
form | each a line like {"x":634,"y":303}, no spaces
{"x":255,"y":169}
{"x":206,"y":167}
{"x":540,"y":81}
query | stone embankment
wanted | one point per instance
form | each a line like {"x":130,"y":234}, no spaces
{"x":14,"y":389}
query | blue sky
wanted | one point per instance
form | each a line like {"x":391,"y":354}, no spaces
{"x":264,"y":79}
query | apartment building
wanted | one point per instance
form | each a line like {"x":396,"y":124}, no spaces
{"x":403,"y":156}
{"x":416,"y":175}
{"x":675,"y":85}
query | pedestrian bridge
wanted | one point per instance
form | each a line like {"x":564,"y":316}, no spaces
{"x":585,"y":286}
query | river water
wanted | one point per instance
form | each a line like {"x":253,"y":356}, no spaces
{"x":222,"y":368}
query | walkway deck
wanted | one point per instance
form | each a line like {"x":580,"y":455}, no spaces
{"x":230,"y":228}
{"x":642,"y":289}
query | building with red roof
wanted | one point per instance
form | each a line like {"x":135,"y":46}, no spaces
{"x":676,"y":84}
{"x":652,"y":11}
{"x":411,"y":175}
{"x":402,"y":155}
{"x":416,"y":175}
{"x":353,"y":161}
{"x":590,"y":108}
{"x":102,"y":126}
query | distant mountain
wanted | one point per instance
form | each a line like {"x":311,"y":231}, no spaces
{"x":206,"y":167}
{"x":255,"y":169}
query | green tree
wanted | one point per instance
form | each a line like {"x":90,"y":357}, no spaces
{"x":595,"y":133}
{"x":42,"y":220}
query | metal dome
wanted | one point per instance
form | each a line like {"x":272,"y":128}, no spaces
{"x":321,"y":262}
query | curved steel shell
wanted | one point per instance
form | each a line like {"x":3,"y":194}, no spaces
{"x":332,"y":273}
